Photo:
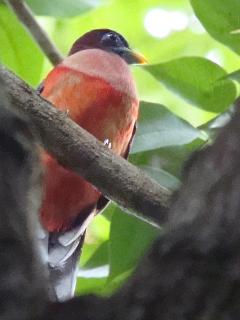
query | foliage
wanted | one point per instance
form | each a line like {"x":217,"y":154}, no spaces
{"x":18,"y":51}
{"x":182,"y":89}
{"x":61,"y":8}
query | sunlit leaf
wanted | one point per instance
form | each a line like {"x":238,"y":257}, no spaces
{"x":158,"y":127}
{"x":94,"y":255}
{"x":221,"y":20}
{"x":62,"y":8}
{"x":198,"y":80}
{"x":90,"y":285}
{"x":18,"y":51}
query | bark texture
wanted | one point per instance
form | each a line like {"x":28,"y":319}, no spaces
{"x":22,"y":281}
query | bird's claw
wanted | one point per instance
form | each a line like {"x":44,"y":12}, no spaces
{"x":107,"y":143}
{"x":66,"y":112}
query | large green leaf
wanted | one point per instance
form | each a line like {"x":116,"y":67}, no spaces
{"x":158,"y":127}
{"x":94,"y":255}
{"x":90,"y":285}
{"x":170,"y":159}
{"x":18,"y":51}
{"x":166,"y":179}
{"x":95,"y":248}
{"x":129,"y":239}
{"x":198,"y":80}
{"x":99,"y":285}
{"x":62,"y":8}
{"x":221,"y":19}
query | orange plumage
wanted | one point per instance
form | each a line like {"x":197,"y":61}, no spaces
{"x":107,"y":110}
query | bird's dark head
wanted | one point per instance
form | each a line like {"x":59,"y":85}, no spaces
{"x":107,"y":40}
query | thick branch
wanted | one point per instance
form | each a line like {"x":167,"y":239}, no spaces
{"x":25,"y":15}
{"x":77,"y":149}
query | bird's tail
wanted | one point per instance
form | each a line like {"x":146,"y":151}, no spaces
{"x":61,"y":252}
{"x":63,"y":275}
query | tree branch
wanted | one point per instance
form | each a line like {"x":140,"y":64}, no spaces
{"x":75,"y":148}
{"x":25,"y":15}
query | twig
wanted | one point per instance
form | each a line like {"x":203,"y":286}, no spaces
{"x":25,"y":15}
{"x":75,"y":148}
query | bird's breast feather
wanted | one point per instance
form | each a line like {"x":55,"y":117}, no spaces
{"x":103,"y":65}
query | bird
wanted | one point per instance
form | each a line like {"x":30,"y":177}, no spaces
{"x":93,"y":86}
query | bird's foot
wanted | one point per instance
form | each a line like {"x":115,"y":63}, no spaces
{"x":107,"y":143}
{"x":66,"y":112}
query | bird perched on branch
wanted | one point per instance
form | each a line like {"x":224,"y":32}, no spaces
{"x":93,"y":85}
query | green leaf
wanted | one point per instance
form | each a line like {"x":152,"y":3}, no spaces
{"x":18,"y":50}
{"x":198,"y":80}
{"x":158,"y":127}
{"x":95,"y":248}
{"x":170,"y":159}
{"x":213,"y":127}
{"x":62,"y":8}
{"x":100,"y":286}
{"x":221,"y":20}
{"x":90,"y":285}
{"x":94,"y":256}
{"x":130,"y":237}
{"x":235,"y":75}
{"x":166,"y":179}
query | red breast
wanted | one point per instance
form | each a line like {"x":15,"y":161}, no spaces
{"x":97,"y":90}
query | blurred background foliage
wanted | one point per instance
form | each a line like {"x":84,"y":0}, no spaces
{"x":193,"y":50}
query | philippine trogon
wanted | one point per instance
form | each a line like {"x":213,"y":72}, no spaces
{"x":93,"y":85}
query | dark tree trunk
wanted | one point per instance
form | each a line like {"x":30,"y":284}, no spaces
{"x":22,"y":284}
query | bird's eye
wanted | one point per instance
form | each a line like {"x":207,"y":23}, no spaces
{"x":109,"y":39}
{"x":112,"y":37}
